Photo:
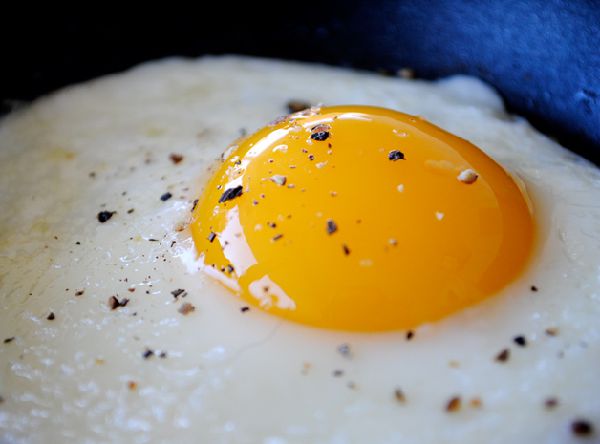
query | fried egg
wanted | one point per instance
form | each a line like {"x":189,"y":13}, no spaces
{"x":402,"y":261}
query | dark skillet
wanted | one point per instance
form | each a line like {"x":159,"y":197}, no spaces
{"x":543,"y":56}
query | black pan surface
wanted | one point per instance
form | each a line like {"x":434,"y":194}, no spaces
{"x":542,"y":56}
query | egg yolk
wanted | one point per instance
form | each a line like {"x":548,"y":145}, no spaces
{"x":361,"y":218}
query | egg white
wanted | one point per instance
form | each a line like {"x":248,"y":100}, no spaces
{"x":249,"y":377}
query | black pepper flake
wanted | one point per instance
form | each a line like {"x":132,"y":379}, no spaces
{"x":231,"y":193}
{"x":503,"y":355}
{"x":320,"y":136}
{"x":295,"y":106}
{"x":338,"y":373}
{"x":229,"y":268}
{"x":211,"y":237}
{"x":520,"y":341}
{"x":533,"y":288}
{"x":194,"y":205}
{"x":396,"y":155}
{"x":79,"y":292}
{"x":345,"y":350}
{"x":551,"y":403}
{"x":410,"y":334}
{"x":346,"y":249}
{"x":581,"y":427}
{"x":331,"y":227}
{"x":104,"y":216}
{"x":166,"y":196}
{"x":9,"y":340}
{"x":131,"y":210}
{"x":115,"y":303}
{"x":163,"y":355}
{"x":148,"y":353}
{"x":277,"y":237}
{"x":244,"y":309}
{"x":51,"y":316}
{"x":179,"y":292}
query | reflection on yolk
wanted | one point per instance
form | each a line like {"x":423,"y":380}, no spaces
{"x":361,"y":218}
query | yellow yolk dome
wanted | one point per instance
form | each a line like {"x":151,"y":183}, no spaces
{"x":361,"y":218}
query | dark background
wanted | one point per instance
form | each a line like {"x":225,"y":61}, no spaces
{"x":543,"y":56}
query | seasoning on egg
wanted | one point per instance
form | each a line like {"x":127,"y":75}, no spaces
{"x":244,"y":309}
{"x":551,"y":403}
{"x":320,"y":136}
{"x":231,"y":193}
{"x":520,"y":340}
{"x":467,"y":176}
{"x":533,"y":288}
{"x":51,"y":316}
{"x":277,"y":237}
{"x":9,"y":340}
{"x":186,"y":309}
{"x":454,"y":404}
{"x":79,"y":292}
{"x":229,"y":268}
{"x":278,"y":120}
{"x":131,"y":210}
{"x":400,"y":396}
{"x":346,"y":249}
{"x":132,"y":385}
{"x":410,"y":334}
{"x":552,"y":331}
{"x":115,"y":303}
{"x":279,"y":179}
{"x":211,"y":236}
{"x":179,"y":292}
{"x":175,"y":158}
{"x":395,"y":155}
{"x":104,"y":216}
{"x":503,"y":355}
{"x":166,"y":196}
{"x":295,"y":106}
{"x":338,"y":373}
{"x":476,"y":403}
{"x":345,"y":350}
{"x":582,"y":427}
{"x":306,"y":366}
{"x":194,"y":205}
{"x":331,"y":226}
{"x":148,"y":353}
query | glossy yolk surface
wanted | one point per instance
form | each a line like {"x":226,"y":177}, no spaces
{"x":361,"y":218}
